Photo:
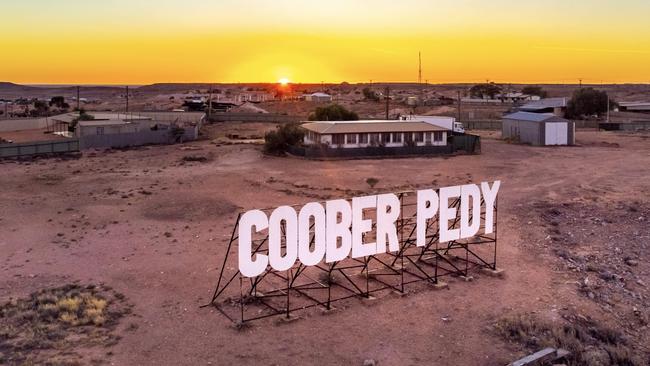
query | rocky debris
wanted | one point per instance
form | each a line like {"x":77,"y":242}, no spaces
{"x":604,"y":245}
{"x":198,"y":158}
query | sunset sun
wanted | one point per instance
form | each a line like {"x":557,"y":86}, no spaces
{"x":283,"y":81}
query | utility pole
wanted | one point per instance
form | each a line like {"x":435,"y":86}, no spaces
{"x":210,"y":104}
{"x":459,"y":106}
{"x":580,"y":83}
{"x":78,"y":100}
{"x":387,"y":100}
{"x":127,"y":99}
{"x":608,"y":108}
{"x":420,"y":78}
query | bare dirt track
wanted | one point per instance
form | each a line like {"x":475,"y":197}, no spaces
{"x":153,"y":227}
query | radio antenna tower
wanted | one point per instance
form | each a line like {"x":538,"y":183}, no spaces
{"x":419,"y":67}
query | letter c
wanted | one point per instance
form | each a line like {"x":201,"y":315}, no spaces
{"x":248,"y":266}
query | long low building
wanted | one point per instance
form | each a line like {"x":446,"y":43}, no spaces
{"x":540,"y":129}
{"x":374,"y":133}
{"x":104,"y":130}
{"x":643,"y":107}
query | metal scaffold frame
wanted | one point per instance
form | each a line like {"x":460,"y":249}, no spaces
{"x":276,"y":293}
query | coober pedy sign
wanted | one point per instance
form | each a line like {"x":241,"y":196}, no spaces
{"x":323,"y":252}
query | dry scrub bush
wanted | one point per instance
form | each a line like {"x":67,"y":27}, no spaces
{"x":588,"y":342}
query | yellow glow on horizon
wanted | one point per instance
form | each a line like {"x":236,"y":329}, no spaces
{"x":284,"y":81}
{"x":312,"y":42}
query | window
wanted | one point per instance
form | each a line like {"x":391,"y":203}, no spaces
{"x":427,"y":137}
{"x":397,"y":137}
{"x":437,"y":136}
{"x":374,"y":138}
{"x":338,"y":139}
{"x":385,"y":138}
{"x":351,"y":138}
{"x":363,"y":138}
{"x":419,"y":137}
{"x":100,"y":130}
{"x":408,"y":137}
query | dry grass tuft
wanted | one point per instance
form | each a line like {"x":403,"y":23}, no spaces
{"x":589,"y":342}
{"x":51,"y":323}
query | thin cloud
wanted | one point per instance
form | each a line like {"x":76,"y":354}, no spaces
{"x":600,"y":50}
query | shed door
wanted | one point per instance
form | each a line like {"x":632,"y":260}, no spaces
{"x":556,"y":133}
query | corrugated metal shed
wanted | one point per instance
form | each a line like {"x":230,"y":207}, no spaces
{"x":538,"y":129}
{"x":534,"y":117}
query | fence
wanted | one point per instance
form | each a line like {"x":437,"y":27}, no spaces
{"x":170,"y":117}
{"x":39,"y":148}
{"x":496,"y":124}
{"x":254,"y":117}
{"x":471,"y":144}
{"x":482,"y":125}
{"x":126,"y":139}
{"x":628,"y":126}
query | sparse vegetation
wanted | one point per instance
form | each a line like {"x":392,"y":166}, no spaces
{"x":372,"y":182}
{"x":588,"y":102}
{"x":41,"y":108}
{"x":196,"y":158}
{"x":485,"y":90}
{"x":51,"y":323}
{"x":59,"y":102}
{"x":369,"y":94}
{"x":588,"y":342}
{"x":333,"y":112}
{"x":277,"y":142}
{"x":535,"y":90}
{"x":83,"y":116}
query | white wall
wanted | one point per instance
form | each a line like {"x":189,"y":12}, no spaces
{"x":327,"y":139}
{"x":112,"y":129}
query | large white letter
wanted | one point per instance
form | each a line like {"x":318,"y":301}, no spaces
{"x":386,"y":222}
{"x":427,"y":207}
{"x":336,"y":229}
{"x":490,"y":196}
{"x":448,"y":213}
{"x":247,"y":266}
{"x":470,"y":192}
{"x":307,"y":257}
{"x":288,"y":215}
{"x":360,"y":226}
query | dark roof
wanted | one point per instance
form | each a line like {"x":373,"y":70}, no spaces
{"x":370,"y":126}
{"x":534,"y":117}
{"x":544,"y":104}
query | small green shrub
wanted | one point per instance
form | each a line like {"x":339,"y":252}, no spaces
{"x":277,"y":142}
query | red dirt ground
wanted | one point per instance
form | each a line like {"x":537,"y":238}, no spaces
{"x":102,"y":218}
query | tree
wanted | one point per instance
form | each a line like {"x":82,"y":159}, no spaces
{"x":59,"y":102}
{"x":278,"y":142}
{"x":534,"y":90}
{"x":333,"y":112}
{"x":40,"y":108}
{"x":369,"y":94}
{"x":587,"y":102}
{"x":489,"y":90}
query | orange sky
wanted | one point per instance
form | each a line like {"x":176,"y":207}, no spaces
{"x":138,"y":41}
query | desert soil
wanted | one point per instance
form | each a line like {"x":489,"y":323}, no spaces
{"x":573,"y":238}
